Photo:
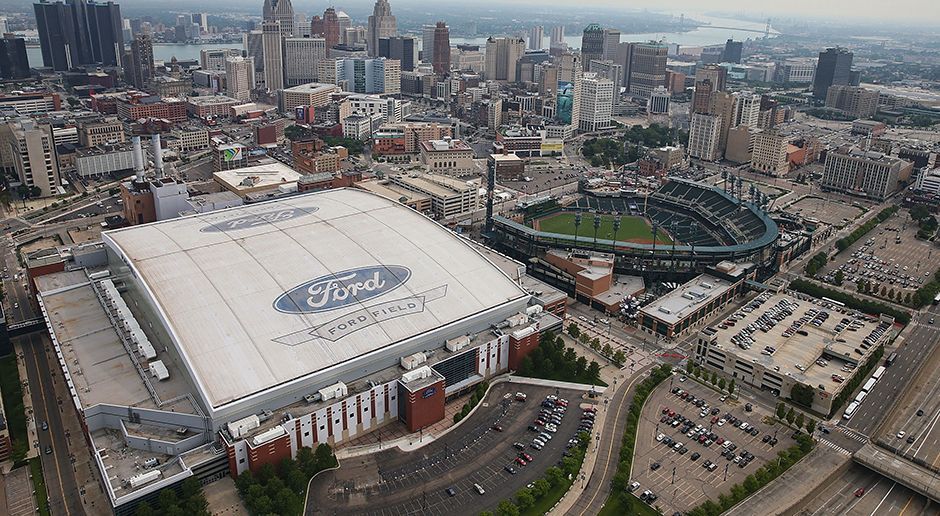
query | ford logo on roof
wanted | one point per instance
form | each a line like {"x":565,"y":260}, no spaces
{"x":342,"y":289}
{"x":257,"y":219}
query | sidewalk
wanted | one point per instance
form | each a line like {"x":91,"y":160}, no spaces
{"x":33,"y":449}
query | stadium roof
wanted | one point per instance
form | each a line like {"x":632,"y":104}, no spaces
{"x":259,"y":295}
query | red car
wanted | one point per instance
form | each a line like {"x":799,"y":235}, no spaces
{"x":520,"y":462}
{"x":540,"y":422}
{"x":525,"y":456}
{"x":859,"y":492}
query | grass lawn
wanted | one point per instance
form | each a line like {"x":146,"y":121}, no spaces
{"x":614,"y":507}
{"x":13,"y":405}
{"x":545,"y":503}
{"x":632,"y":229}
{"x":39,"y":485}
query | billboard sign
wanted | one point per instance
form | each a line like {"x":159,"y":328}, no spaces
{"x":342,"y":289}
{"x":564,"y":102}
{"x":232,"y":153}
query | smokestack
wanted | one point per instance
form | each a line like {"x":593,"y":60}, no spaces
{"x":157,"y":156}
{"x":138,"y":157}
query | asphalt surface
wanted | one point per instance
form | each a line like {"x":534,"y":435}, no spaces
{"x":916,"y":346}
{"x":393,"y":482}
{"x":598,"y":489}
{"x":61,"y":486}
{"x":880,"y":497}
{"x":17,"y":305}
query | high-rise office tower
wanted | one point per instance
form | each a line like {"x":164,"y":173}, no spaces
{"x":368,"y":75}
{"x":648,"y":68}
{"x":402,"y":48}
{"x":31,"y":155}
{"x":239,"y":77}
{"x":301,"y":58}
{"x":536,"y":35}
{"x":625,"y":59}
{"x":202,"y":19}
{"x":610,"y":70}
{"x":718,"y":75}
{"x":142,"y":61}
{"x":705,"y":136}
{"x":701,"y":95}
{"x":659,"y":101}
{"x":280,"y":11}
{"x":13,"y":61}
{"x":214,"y":58}
{"x":746,"y":109}
{"x":382,"y":24}
{"x":440,"y":60}
{"x":611,"y":44}
{"x":3,"y":25}
{"x":558,"y":35}
{"x":833,"y":69}
{"x":272,"y":42}
{"x":330,"y":28}
{"x":732,"y":53}
{"x":427,"y":42}
{"x":79,"y":33}
{"x":316,"y":27}
{"x":502,"y":55}
{"x":344,"y":22}
{"x":592,"y":45}
{"x":254,"y":48}
{"x":595,"y":103}
{"x":569,"y":65}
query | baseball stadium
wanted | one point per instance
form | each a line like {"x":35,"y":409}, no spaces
{"x":682,"y":227}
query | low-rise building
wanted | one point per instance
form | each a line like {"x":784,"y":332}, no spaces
{"x":449,"y":157}
{"x":214,"y":106}
{"x":871,"y":128}
{"x":855,"y":101}
{"x":360,"y":126}
{"x":449,"y":197}
{"x":136,"y":105}
{"x":312,"y":94}
{"x":507,"y":167}
{"x":104,"y":159}
{"x":98,"y":132}
{"x":406,"y":137}
{"x":258,"y":179}
{"x":392,"y":110}
{"x":864,"y":173}
{"x":30,"y":103}
{"x":769,"y":154}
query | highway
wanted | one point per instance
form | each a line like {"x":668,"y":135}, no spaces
{"x":64,"y":495}
{"x":880,"y":497}
{"x":917,"y":345}
{"x":17,"y":305}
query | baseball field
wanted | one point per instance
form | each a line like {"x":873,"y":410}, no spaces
{"x":632,"y":229}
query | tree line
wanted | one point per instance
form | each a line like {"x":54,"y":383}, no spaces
{"x":282,"y":490}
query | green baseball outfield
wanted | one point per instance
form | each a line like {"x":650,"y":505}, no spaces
{"x":632,"y":229}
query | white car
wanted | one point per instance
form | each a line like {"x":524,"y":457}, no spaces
{"x":721,"y":422}
{"x":660,"y":437}
{"x":900,"y":434}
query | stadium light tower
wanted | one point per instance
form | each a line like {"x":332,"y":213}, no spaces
{"x":577,"y":224}
{"x":673,"y":227}
{"x":616,"y":230}
{"x":597,"y":225}
{"x":693,"y":227}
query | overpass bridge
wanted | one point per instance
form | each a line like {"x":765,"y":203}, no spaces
{"x":916,"y":477}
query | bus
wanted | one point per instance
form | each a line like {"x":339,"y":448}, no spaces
{"x":868,"y":385}
{"x":834,"y":302}
{"x":861,"y":397}
{"x":936,"y":299}
{"x":850,"y":410}
{"x":891,"y":358}
{"x":878,"y":372}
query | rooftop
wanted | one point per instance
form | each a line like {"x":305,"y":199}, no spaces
{"x":445,"y":145}
{"x":257,"y":177}
{"x":211,"y":100}
{"x":254,"y":289}
{"x":313,"y":87}
{"x":686,"y":299}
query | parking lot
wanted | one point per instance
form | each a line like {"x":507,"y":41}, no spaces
{"x":889,"y":256}
{"x":19,"y":493}
{"x":672,"y":464}
{"x":827,"y":211}
{"x":393,"y":482}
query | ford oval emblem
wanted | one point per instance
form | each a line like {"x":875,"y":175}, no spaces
{"x":430,"y":391}
{"x":257,"y":219}
{"x":342,"y":289}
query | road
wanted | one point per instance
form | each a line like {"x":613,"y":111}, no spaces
{"x":17,"y":306}
{"x":592,"y":499}
{"x":881,"y":497}
{"x":916,"y":346}
{"x":64,"y":495}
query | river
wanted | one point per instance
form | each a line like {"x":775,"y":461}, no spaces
{"x":701,"y":36}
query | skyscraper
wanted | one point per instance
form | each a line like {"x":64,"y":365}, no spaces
{"x":592,"y":45}
{"x":611,"y":44}
{"x":440,"y":60}
{"x":558,"y":35}
{"x":732,"y":53}
{"x":301,"y":58}
{"x":833,"y":69}
{"x":648,"y":68}
{"x":343,"y":22}
{"x":32,"y":152}
{"x":402,"y":48}
{"x":536,"y":35}
{"x":595,"y":102}
{"x":330,"y":28}
{"x":718,"y":75}
{"x":13,"y":61}
{"x":272,"y":43}
{"x":239,"y":77}
{"x":202,"y":19}
{"x":381,"y":25}
{"x":79,"y":33}
{"x":142,"y":61}
{"x":281,"y":11}
{"x":502,"y":55}
{"x":254,"y":47}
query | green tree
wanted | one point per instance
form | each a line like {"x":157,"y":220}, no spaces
{"x":595,"y":343}
{"x":324,"y":457}
{"x":584,"y":339}
{"x":731,"y":387}
{"x":607,"y":351}
{"x":144,"y":509}
{"x":507,"y":508}
{"x":714,"y":378}
{"x":839,"y":277}
{"x":619,"y":357}
{"x":554,"y":476}
{"x":167,"y":498}
{"x":781,"y":410}
{"x":722,"y":383}
{"x":594,"y":371}
{"x":570,"y":355}
{"x":524,"y":499}
{"x":574,"y":331}
{"x":799,"y":420}
{"x":791,"y":415}
{"x":581,"y":365}
{"x":688,"y":366}
{"x":810,"y":425}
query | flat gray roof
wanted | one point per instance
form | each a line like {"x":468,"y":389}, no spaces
{"x":678,"y":304}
